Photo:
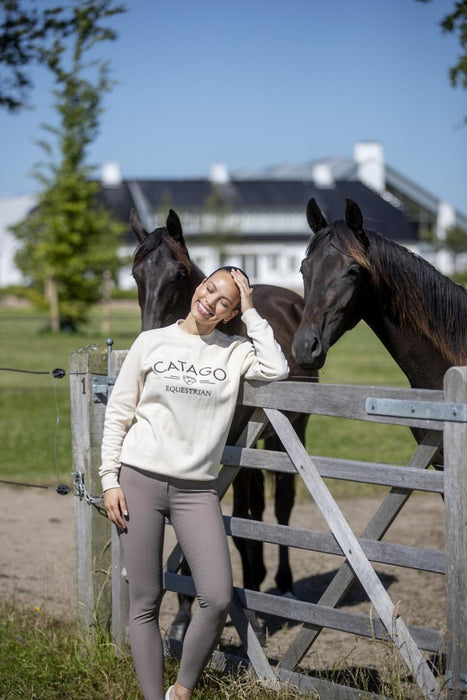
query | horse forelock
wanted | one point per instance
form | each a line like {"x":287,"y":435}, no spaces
{"x":158,"y":237}
{"x":415,"y":294}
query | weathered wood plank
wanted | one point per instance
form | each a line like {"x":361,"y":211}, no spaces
{"x":306,"y":684}
{"x":324,"y":689}
{"x":251,"y":644}
{"x":455,"y":440}
{"x":93,"y":556}
{"x":312,"y":540}
{"x":335,"y":468}
{"x":395,"y":626}
{"x":345,"y":401}
{"x":312,"y":613}
{"x":376,"y":529}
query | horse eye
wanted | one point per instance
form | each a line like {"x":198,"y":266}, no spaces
{"x":353,"y":271}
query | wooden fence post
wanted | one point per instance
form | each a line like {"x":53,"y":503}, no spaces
{"x":92,"y":528}
{"x":455,"y":441}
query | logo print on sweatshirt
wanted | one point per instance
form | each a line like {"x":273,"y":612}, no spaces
{"x":181,"y":370}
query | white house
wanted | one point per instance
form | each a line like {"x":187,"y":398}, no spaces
{"x":257,"y":220}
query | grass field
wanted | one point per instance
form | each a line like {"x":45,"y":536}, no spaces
{"x":36,"y":450}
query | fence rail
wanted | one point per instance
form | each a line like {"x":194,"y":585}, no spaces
{"x":358,"y":553}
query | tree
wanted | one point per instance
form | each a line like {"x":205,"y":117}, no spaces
{"x":456,"y":21}
{"x":26,"y":36}
{"x":69,"y":241}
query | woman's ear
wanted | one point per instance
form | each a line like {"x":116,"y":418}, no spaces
{"x":234,"y":313}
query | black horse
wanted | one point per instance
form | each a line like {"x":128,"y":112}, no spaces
{"x":350,"y":274}
{"x":166,"y":279}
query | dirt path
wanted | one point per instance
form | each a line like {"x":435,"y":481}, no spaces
{"x":37,"y":567}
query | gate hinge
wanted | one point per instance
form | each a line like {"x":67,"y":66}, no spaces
{"x":429,"y":410}
{"x":101,"y":388}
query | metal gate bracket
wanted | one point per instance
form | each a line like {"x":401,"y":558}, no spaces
{"x":430,"y":410}
{"x":101,"y":388}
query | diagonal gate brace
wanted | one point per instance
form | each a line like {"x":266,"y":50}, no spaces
{"x":375,"y":530}
{"x":351,"y":548}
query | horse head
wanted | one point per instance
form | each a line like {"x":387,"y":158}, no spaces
{"x":332,"y":280}
{"x":161,"y":268}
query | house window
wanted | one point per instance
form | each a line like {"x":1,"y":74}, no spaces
{"x":273,"y":261}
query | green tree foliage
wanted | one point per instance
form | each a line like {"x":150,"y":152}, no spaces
{"x":456,"y":240}
{"x":456,"y":22}
{"x":26,"y":35}
{"x":69,"y":241}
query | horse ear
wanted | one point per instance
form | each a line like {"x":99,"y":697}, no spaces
{"x":137,"y":227}
{"x":315,"y":218}
{"x":174,"y":227}
{"x":354,"y":220}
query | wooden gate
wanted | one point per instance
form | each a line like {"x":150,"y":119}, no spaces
{"x":443,"y":414}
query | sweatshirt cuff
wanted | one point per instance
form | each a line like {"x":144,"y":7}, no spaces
{"x":250,"y":316}
{"x":109,"y":481}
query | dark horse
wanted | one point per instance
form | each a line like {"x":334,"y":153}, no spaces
{"x":166,"y":279}
{"x":350,"y":273}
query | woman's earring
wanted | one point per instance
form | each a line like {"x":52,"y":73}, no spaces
{"x":225,"y":320}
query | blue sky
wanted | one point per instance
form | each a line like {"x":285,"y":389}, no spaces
{"x":251,"y":83}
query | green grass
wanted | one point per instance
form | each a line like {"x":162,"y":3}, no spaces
{"x":30,"y":404}
{"x":42,"y":658}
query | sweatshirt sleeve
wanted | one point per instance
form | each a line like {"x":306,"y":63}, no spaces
{"x":264,"y":360}
{"x":120,"y":413}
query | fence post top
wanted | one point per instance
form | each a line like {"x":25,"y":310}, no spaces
{"x":456,"y":374}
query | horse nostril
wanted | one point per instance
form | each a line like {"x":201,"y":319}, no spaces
{"x":314,"y":347}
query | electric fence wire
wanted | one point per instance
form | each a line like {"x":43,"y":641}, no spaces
{"x":78,"y":478}
{"x":58,"y":373}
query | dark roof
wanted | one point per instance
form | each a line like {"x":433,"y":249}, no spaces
{"x":260,"y":195}
{"x":118,"y":199}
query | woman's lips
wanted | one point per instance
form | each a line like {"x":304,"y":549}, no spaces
{"x":203,"y":310}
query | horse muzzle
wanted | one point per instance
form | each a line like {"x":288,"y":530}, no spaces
{"x":308,"y":350}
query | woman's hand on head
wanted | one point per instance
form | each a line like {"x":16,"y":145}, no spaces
{"x":246,"y":292}
{"x":115,"y":506}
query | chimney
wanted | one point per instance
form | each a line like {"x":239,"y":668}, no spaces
{"x":111,"y":175}
{"x":322,"y":175}
{"x":369,"y":157}
{"x":218,"y":174}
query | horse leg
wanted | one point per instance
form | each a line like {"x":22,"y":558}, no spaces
{"x":182,"y":619}
{"x":284,"y":501}
{"x":242,"y":509}
{"x":257,"y":506}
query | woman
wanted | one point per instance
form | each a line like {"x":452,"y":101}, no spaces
{"x":180,"y":383}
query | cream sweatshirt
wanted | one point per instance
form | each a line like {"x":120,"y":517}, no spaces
{"x":173,"y":402}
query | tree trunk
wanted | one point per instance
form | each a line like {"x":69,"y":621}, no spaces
{"x":106,"y":290}
{"x":51,"y":295}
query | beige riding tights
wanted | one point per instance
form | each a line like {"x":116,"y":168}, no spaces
{"x":194,"y":511}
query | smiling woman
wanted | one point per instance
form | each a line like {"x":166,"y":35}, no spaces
{"x":180,"y":383}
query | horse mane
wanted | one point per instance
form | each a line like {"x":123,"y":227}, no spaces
{"x":413,"y":292}
{"x":154,"y":239}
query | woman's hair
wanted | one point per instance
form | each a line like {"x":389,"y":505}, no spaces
{"x":229,"y":268}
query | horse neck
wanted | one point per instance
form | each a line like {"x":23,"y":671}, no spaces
{"x":417,"y":356}
{"x":195,"y":278}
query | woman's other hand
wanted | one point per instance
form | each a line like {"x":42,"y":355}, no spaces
{"x":246,"y":292}
{"x":115,"y":506}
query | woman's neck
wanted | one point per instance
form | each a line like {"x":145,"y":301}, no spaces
{"x":189,"y":325}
